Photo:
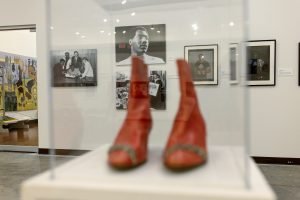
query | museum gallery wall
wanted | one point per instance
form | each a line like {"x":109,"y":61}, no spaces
{"x":97,"y":112}
{"x":286,"y":54}
{"x":19,"y":75}
{"x":203,"y":60}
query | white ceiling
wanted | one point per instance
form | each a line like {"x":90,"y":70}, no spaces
{"x":115,"y":5}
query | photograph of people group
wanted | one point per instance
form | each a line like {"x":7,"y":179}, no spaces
{"x":157,"y":89}
{"x":146,"y":41}
{"x":74,"y":67}
{"x":122,"y":90}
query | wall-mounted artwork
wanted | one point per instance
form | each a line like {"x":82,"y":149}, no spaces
{"x":203,"y":60}
{"x":18,"y":78}
{"x":145,"y":41}
{"x":157,"y":89}
{"x":122,"y":90}
{"x":261,"y":59}
{"x":74,"y":67}
{"x":234,"y":61}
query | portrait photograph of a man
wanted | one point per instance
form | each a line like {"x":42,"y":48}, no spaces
{"x":145,"y":41}
{"x":74,"y":67}
{"x":261,"y":62}
{"x":203,"y":60}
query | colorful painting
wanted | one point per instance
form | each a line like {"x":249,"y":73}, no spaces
{"x":18,"y":81}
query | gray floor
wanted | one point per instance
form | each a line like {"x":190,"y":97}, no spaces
{"x":17,"y":167}
{"x":284,"y":179}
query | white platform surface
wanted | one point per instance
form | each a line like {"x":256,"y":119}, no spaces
{"x":23,"y":115}
{"x":89,"y":177}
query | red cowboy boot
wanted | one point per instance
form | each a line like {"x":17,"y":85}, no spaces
{"x":186,"y":146}
{"x":130,"y":146}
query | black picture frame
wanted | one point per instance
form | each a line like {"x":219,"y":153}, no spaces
{"x":261,"y":62}
{"x":204,"y":72}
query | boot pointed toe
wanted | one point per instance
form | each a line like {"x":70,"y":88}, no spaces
{"x":182,"y":159}
{"x":120,"y":159}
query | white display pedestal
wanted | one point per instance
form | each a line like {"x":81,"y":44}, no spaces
{"x":88,"y":177}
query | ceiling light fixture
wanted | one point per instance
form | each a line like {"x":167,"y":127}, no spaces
{"x":195,"y":27}
{"x":117,"y":20}
{"x":133,"y":14}
{"x":105,"y":20}
{"x":124,"y":32}
{"x":77,"y":33}
{"x":82,"y":36}
{"x":231,"y":23}
{"x":123,"y":2}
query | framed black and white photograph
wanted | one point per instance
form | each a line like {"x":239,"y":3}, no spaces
{"x":74,"y":67}
{"x":157,"y":89}
{"x":261,"y":60}
{"x":203,"y":60}
{"x":234,"y":63}
{"x":145,"y":41}
{"x":122,"y":90}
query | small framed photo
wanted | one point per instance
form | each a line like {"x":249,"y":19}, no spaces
{"x":234,"y":63}
{"x":203,"y":60}
{"x":261,"y":61}
{"x":157,"y":89}
{"x":74,"y":67}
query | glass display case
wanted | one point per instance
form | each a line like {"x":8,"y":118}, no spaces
{"x":91,"y":43}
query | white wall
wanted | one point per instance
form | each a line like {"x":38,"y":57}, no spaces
{"x":274,"y":110}
{"x":21,"y":42}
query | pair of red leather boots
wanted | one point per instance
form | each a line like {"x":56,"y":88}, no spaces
{"x":186,"y":146}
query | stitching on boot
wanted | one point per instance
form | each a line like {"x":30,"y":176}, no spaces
{"x":187,"y":147}
{"x":128,"y":149}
